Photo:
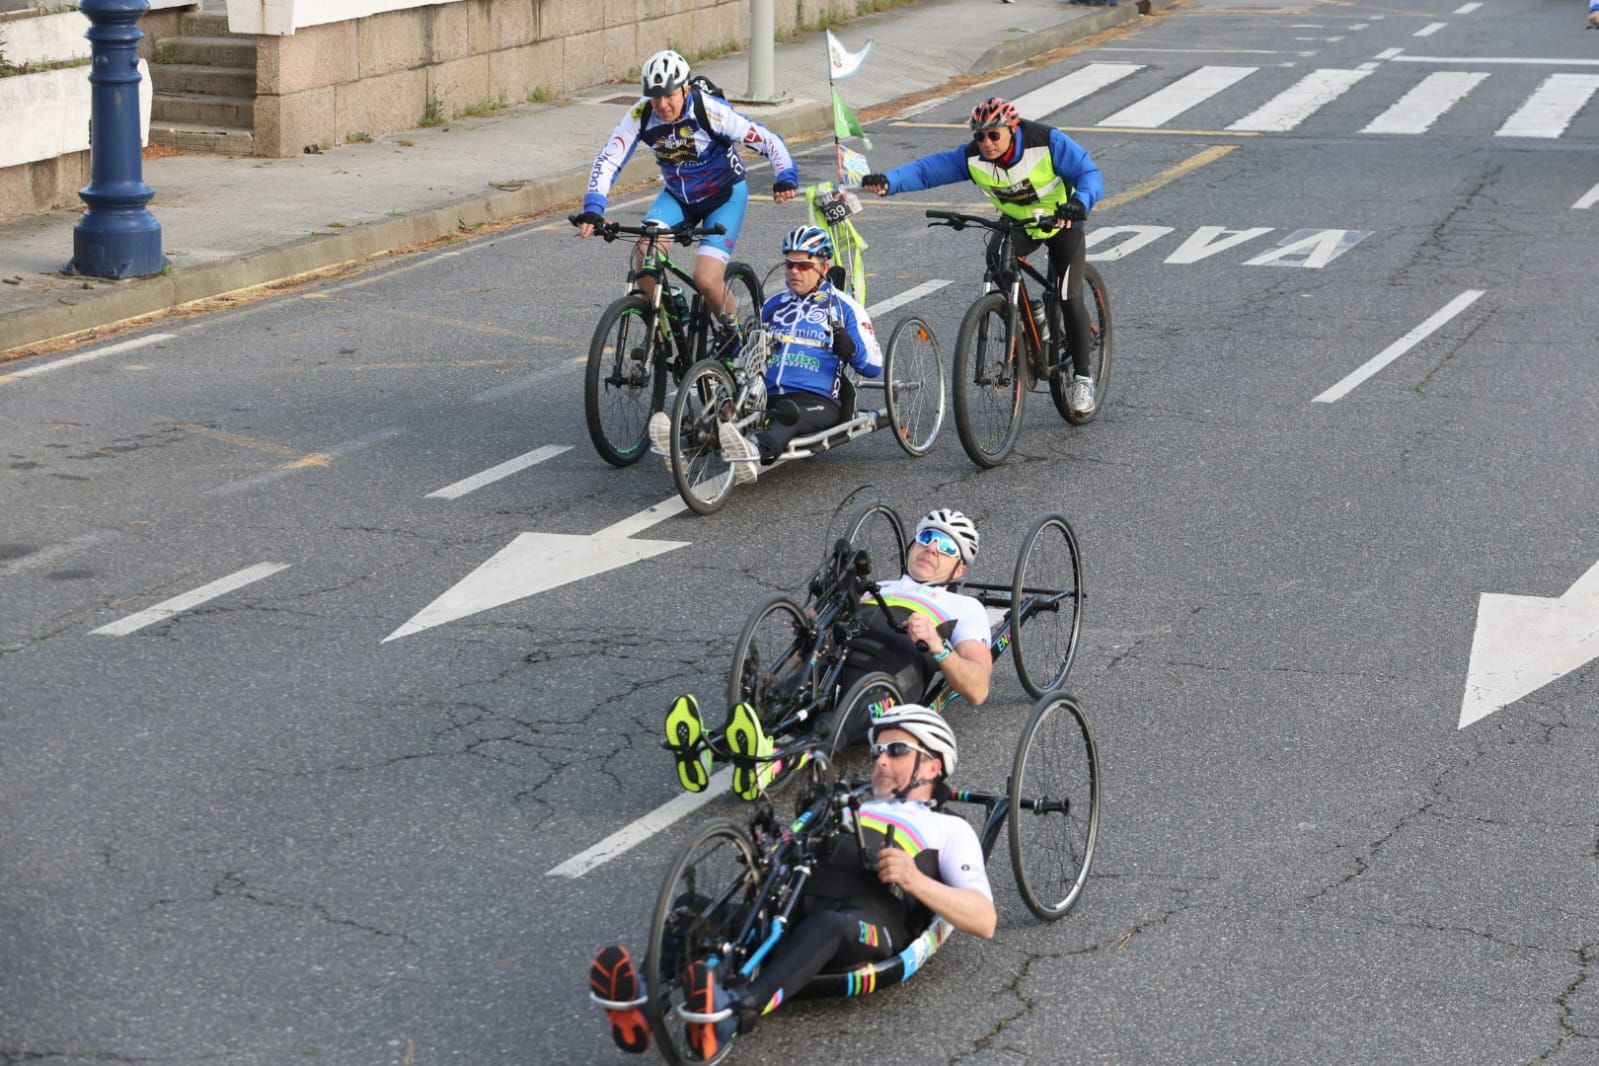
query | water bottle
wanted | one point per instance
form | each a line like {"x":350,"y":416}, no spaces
{"x":1041,"y":320}
{"x":680,"y":306}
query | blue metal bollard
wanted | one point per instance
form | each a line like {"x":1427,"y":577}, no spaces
{"x":117,"y":237}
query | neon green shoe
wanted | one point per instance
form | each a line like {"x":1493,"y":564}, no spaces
{"x":748,"y":743}
{"x":685,"y":739}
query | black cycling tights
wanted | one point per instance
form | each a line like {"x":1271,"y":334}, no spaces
{"x":838,"y":935}
{"x":1067,"y":254}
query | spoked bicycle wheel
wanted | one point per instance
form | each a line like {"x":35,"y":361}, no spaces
{"x":872,"y":696}
{"x":703,"y":477}
{"x":622,"y":385}
{"x":706,"y":898}
{"x":746,"y":291}
{"x":1097,"y":301}
{"x":913,"y":385}
{"x":769,"y":659}
{"x":1054,"y":813}
{"x":1046,"y":605}
{"x":988,"y":382}
{"x":878,"y":529}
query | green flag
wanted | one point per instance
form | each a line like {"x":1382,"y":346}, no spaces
{"x":845,"y":124}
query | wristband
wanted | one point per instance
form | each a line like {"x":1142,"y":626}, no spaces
{"x":941,"y":656}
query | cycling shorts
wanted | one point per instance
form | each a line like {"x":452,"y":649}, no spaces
{"x":668,"y":210}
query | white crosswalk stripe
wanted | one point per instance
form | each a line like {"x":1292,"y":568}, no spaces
{"x":1417,"y":110}
{"x":1550,"y":109}
{"x":1073,"y":87}
{"x":1304,"y":98}
{"x":1159,"y":108}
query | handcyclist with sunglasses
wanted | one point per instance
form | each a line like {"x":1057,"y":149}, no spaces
{"x":945,"y":632}
{"x":926,"y":863}
{"x":1028,"y":171}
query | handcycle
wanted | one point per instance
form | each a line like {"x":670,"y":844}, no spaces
{"x":731,"y":891}
{"x":999,"y":354}
{"x":790,"y":658}
{"x":716,"y":390}
{"x":645,"y":337}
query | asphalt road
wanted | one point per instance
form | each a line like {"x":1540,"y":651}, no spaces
{"x":257,"y":831}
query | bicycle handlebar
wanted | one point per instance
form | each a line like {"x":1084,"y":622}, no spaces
{"x":957,"y":221}
{"x":611,"y":231}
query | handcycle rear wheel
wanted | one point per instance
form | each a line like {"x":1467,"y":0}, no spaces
{"x":707,"y":895}
{"x":913,"y":385}
{"x":1046,"y":605}
{"x":620,"y":392}
{"x":769,"y":659}
{"x":869,"y":697}
{"x":704,"y":479}
{"x":878,"y":529}
{"x":1054,"y":806}
{"x":988,"y":381}
{"x":1097,"y":301}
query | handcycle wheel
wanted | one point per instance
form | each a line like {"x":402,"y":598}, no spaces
{"x":1097,"y":301}
{"x":878,"y":529}
{"x":708,"y":894}
{"x":1054,"y":806}
{"x":620,"y":391}
{"x":869,"y":697}
{"x":1046,"y":605}
{"x":703,"y":478}
{"x":913,"y":385}
{"x":988,"y":381}
{"x":769,"y":659}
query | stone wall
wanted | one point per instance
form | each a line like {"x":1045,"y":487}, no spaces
{"x":387,"y":71}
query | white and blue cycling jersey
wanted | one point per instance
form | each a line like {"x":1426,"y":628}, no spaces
{"x":697,"y":165}
{"x":802,"y":341}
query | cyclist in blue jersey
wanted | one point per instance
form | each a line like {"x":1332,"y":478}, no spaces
{"x":1034,"y":173}
{"x":696,"y":136}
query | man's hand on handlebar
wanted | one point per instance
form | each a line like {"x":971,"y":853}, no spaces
{"x":586,"y":222}
{"x":877,"y":183}
{"x":1071,"y":211}
{"x":922,"y":632}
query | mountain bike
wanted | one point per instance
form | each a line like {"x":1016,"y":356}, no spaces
{"x":999,"y":353}
{"x":645,"y":337}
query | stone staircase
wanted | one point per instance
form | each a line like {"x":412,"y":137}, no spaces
{"x":203,"y":89}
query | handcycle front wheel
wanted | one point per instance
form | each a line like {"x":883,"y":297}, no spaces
{"x":703,"y":477}
{"x":769,"y":659}
{"x":1046,"y":605}
{"x":1054,"y":806}
{"x":1100,"y":336}
{"x":988,"y":381}
{"x":710,"y":891}
{"x":878,"y":529}
{"x":913,"y":385}
{"x":623,"y":384}
{"x":871,"y":696}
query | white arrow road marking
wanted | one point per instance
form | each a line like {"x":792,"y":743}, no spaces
{"x":629,"y":836}
{"x":1589,"y":198}
{"x":495,"y":473}
{"x":189,"y":600}
{"x":1523,"y":643}
{"x":537,"y":562}
{"x":1400,"y":346}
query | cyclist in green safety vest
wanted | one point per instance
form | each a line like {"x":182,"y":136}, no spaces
{"x":1028,"y":171}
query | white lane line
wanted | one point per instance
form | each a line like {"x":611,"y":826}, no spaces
{"x":1042,"y":102}
{"x":1304,"y":98}
{"x":495,"y":473}
{"x":533,"y":380}
{"x":638,"y":523}
{"x":47,"y":556}
{"x":1520,"y":61}
{"x":189,"y":600}
{"x":1400,"y":346}
{"x":1430,"y":29}
{"x":1389,"y":53}
{"x":1209,"y":51}
{"x":630,"y":836}
{"x":74,"y":360}
{"x":1589,"y":198}
{"x":1161,"y":107}
{"x":913,"y":293}
{"x":318,"y":459}
{"x":1417,"y":110}
{"x":1551,"y":107}
{"x":1466,"y":9}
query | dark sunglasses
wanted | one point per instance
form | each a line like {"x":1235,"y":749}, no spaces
{"x":939,"y":541}
{"x":800,"y":264}
{"x":898,"y":749}
{"x":988,"y":135}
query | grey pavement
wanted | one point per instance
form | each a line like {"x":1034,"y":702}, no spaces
{"x":232,"y":223}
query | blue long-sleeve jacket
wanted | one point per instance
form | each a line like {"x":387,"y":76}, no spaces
{"x":1071,"y":162}
{"x":802,"y":338}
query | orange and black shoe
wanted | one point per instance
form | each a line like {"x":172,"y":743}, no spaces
{"x":707,"y":1039}
{"x":615,"y":986}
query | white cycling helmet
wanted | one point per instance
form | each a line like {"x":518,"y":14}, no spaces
{"x":958,"y":526}
{"x":664,"y":73}
{"x":926,"y":725}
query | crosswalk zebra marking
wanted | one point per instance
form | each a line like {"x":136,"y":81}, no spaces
{"x":1417,"y":110}
{"x":1073,"y":87}
{"x":1551,"y":107}
{"x":1430,"y":29}
{"x":1161,"y":107}
{"x":1304,"y":98}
